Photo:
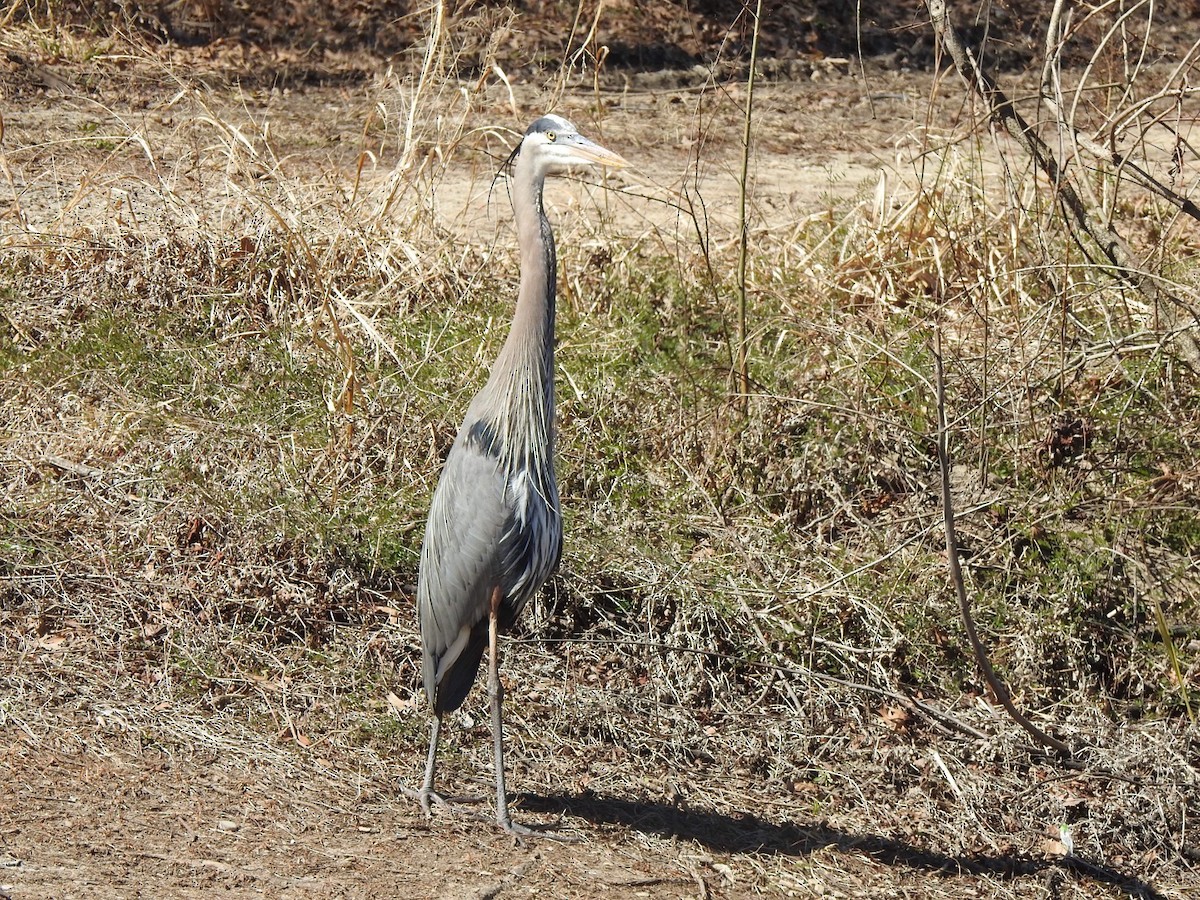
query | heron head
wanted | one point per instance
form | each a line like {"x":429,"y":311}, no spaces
{"x":554,"y":146}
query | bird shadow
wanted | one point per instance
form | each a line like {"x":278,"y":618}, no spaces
{"x":748,"y":833}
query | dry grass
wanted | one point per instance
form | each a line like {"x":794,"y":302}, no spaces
{"x":239,"y":328}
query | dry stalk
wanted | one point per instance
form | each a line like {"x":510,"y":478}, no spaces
{"x":743,"y":360}
{"x":956,"y":576}
{"x":437,"y":16}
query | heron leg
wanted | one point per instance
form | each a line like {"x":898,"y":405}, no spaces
{"x":427,"y":792}
{"x":496,"y":692}
{"x":427,"y":796}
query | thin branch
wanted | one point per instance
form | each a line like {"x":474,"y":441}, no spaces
{"x":939,"y":717}
{"x":956,"y":576}
{"x":1003,"y":113}
{"x":743,"y":360}
{"x":1111,"y":155}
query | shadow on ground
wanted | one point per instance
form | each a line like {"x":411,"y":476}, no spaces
{"x":748,"y":833}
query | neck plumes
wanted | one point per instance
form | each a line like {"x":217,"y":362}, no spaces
{"x":522,"y":381}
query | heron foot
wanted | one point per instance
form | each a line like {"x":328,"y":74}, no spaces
{"x":427,"y":797}
{"x":545,"y":832}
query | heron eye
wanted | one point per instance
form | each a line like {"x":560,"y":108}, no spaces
{"x":551,"y":136}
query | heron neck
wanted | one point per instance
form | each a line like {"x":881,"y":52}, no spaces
{"x":523,"y":374}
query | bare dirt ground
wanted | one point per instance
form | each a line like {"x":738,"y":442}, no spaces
{"x":111,"y":787}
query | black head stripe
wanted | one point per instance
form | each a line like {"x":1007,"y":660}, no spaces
{"x":550,"y":123}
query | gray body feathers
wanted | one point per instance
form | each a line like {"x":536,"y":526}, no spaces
{"x":492,"y":524}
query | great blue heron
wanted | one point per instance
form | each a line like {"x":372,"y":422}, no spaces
{"x":495,"y":529}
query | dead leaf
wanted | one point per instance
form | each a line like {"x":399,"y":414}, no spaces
{"x":1052,"y":847}
{"x":896,"y":718}
{"x":268,"y":684}
{"x":401,"y":705}
{"x":152,"y":630}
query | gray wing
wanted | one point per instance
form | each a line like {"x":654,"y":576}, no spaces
{"x":460,"y":566}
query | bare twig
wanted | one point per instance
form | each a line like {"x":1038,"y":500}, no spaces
{"x":743,"y":360}
{"x":437,"y":15}
{"x":939,"y":717}
{"x":952,"y":559}
{"x":67,"y":465}
{"x":1083,"y":221}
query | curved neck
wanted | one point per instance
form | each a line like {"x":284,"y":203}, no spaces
{"x":532,"y":332}
{"x":522,"y":380}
